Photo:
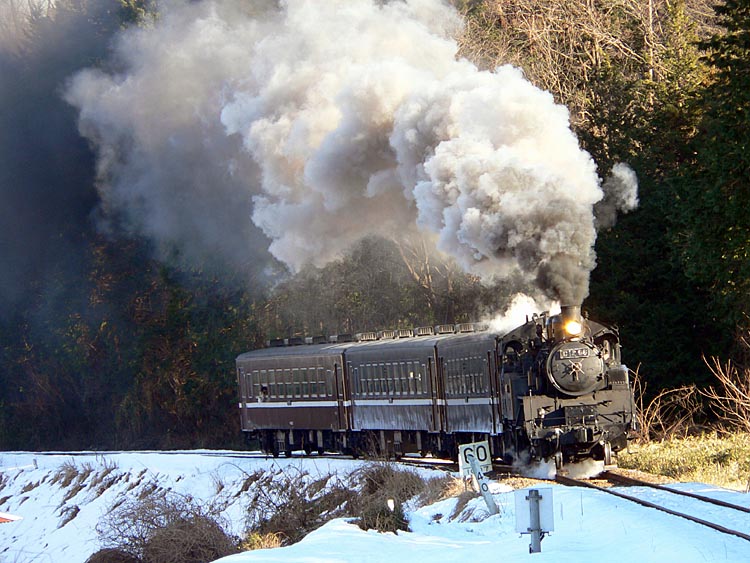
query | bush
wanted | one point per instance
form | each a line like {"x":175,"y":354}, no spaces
{"x":286,"y":506}
{"x":112,"y":556}
{"x":165,"y":528}
{"x":383,"y":490}
{"x":291,"y":505}
{"x":194,"y":538}
{"x":378,"y":514}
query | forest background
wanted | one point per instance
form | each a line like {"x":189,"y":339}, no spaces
{"x":106,"y":343}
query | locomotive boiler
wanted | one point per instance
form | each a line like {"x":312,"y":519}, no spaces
{"x":552,"y":389}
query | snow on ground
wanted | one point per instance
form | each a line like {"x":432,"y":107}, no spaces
{"x":58,"y":522}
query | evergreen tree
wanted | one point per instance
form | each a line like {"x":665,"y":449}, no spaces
{"x":640,"y":281}
{"x":713,"y":215}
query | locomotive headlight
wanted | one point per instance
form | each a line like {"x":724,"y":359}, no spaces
{"x":572,"y":322}
{"x":573,"y":327}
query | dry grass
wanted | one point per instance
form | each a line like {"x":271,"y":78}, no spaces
{"x":261,"y":541}
{"x":719,"y":460}
{"x":464,"y":497}
{"x":67,"y":514}
{"x":65,"y":475}
{"x":440,"y":488}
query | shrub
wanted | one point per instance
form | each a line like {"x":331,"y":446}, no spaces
{"x":291,"y":505}
{"x":166,"y":528}
{"x":672,"y":413}
{"x":193,"y":538}
{"x":381,"y":515}
{"x":730,"y":401}
{"x":110,"y":555}
{"x":379,"y":484}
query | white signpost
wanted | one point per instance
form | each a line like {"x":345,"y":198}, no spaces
{"x":473,"y":460}
{"x":479,"y":451}
{"x":534,"y":515}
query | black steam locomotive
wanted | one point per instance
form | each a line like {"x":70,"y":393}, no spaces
{"x":553,"y":388}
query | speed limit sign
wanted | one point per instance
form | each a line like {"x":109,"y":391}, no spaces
{"x":480,"y":451}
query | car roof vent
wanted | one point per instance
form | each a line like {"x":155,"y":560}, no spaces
{"x":388,"y":334}
{"x":445,"y":329}
{"x":424,"y":331}
{"x":404,"y":332}
{"x":367,"y":336}
{"x":471,"y":327}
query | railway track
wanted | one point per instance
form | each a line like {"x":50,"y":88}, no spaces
{"x":628,"y":481}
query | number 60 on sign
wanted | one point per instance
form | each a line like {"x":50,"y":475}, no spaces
{"x":480,"y":451}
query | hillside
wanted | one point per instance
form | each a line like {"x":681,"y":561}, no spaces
{"x":61,"y":497}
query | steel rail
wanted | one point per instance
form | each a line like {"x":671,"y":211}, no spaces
{"x":719,"y":528}
{"x":625,"y":480}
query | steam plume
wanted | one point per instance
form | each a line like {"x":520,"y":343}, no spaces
{"x":328,"y":121}
{"x":620,"y":195}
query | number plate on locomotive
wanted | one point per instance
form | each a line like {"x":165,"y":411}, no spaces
{"x":569,"y":353}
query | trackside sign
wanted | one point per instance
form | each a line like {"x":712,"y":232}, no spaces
{"x":480,"y":451}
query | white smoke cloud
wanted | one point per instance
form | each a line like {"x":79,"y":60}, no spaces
{"x":521,"y":308}
{"x":620,"y":196}
{"x":328,"y":121}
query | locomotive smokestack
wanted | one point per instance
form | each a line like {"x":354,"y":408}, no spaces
{"x":571,"y":312}
{"x":571,"y":320}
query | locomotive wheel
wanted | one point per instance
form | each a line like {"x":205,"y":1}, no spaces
{"x":607,"y":453}
{"x":558,"y":460}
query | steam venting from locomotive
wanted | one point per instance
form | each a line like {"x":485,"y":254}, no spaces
{"x":303,"y":126}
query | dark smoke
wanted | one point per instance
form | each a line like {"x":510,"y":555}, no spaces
{"x":46,"y":168}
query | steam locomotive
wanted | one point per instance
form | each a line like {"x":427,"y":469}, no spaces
{"x":552,"y":389}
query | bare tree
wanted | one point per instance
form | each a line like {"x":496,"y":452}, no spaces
{"x":671,"y":413}
{"x":730,"y":401}
{"x":15,"y":18}
{"x":564,"y":46}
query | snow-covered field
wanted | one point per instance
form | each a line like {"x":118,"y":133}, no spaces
{"x":58,"y":518}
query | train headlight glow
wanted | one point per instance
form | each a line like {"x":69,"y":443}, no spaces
{"x":573,"y":327}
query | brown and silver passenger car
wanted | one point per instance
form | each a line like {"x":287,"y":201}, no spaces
{"x":544,"y":390}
